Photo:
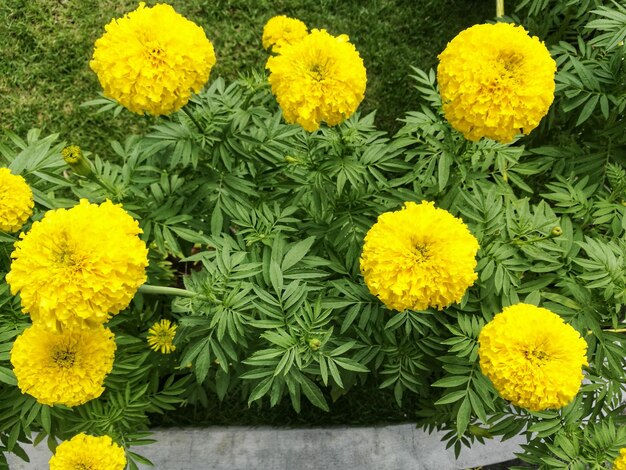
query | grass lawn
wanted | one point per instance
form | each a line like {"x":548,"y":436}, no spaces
{"x":46,"y":45}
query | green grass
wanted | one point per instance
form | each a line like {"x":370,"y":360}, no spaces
{"x":45,"y":47}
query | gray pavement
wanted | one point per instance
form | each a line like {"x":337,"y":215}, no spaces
{"x":396,"y":447}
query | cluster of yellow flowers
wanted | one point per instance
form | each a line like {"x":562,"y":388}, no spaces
{"x":419,"y":257}
{"x":315,"y":77}
{"x":495,"y":81}
{"x":151,"y":60}
{"x":532,"y":357}
{"x":88,"y":452}
{"x":73,"y":269}
{"x":16,"y":201}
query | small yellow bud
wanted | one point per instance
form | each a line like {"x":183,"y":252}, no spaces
{"x":315,"y":344}
{"x":74,"y":157}
{"x":290,"y":159}
{"x":556,"y":232}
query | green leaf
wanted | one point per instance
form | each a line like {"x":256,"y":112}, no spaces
{"x":297,"y":252}
{"x":453,"y":381}
{"x":463,"y":417}
{"x":451,"y":397}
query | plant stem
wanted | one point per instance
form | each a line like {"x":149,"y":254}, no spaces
{"x":148,"y":289}
{"x":615,"y":330}
{"x":499,"y":8}
{"x":193,"y":119}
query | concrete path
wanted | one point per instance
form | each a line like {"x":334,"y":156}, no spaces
{"x":237,"y":448}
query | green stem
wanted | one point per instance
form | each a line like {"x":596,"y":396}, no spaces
{"x":193,"y":119}
{"x":615,"y":330}
{"x":148,"y":289}
{"x":499,"y":8}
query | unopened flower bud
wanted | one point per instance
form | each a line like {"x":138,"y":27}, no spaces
{"x":290,"y":159}
{"x":315,"y":344}
{"x":556,"y":232}
{"x":74,"y":157}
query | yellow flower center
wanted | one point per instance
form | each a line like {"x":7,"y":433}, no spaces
{"x":64,"y":358}
{"x":318,"y":72}
{"x":536,"y":356}
{"x":421,"y":252}
{"x":510,"y":63}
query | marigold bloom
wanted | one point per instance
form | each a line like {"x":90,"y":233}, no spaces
{"x":281,"y":30}
{"x":152,"y":59}
{"x":320,"y":78}
{"x":161,"y":335}
{"x":66,"y":368}
{"x":533,"y":358}
{"x":16,"y":201}
{"x":495,"y":81}
{"x":88,"y":452}
{"x":620,"y":461}
{"x":419,"y":257}
{"x":77,"y":267}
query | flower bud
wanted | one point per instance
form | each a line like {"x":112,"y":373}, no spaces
{"x":556,"y":232}
{"x":74,"y":157}
{"x":315,"y":344}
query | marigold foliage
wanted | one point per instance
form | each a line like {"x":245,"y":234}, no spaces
{"x":282,"y":31}
{"x":77,"y":267}
{"x":533,"y":358}
{"x":320,"y":78}
{"x":151,"y":60}
{"x":88,"y":452}
{"x":620,"y":461}
{"x":16,"y":201}
{"x":495,"y":81}
{"x":419,"y":257}
{"x":161,"y":335}
{"x":66,"y":368}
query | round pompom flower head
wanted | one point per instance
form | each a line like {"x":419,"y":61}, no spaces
{"x":532,"y":357}
{"x":161,"y":336}
{"x":282,"y":31}
{"x":88,"y":452}
{"x":78,"y":266}
{"x":419,"y":257}
{"x":620,"y":461}
{"x":320,"y":78}
{"x":495,"y":81}
{"x":16,"y":201}
{"x":151,"y":60}
{"x":63,"y":368}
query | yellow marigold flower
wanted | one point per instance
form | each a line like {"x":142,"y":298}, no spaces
{"x":152,"y":59}
{"x":67,"y":367}
{"x":320,"y":78}
{"x":161,"y":335}
{"x":533,"y":358}
{"x":419,"y":257}
{"x":77,"y":267}
{"x":620,"y":461}
{"x":495,"y":81}
{"x":16,"y":201}
{"x":281,"y":30}
{"x":88,"y":452}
